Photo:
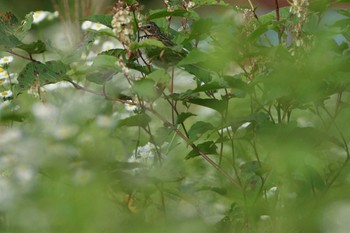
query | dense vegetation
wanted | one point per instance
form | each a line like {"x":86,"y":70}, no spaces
{"x":241,"y":126}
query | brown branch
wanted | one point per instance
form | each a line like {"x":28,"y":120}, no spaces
{"x":201,"y":153}
{"x":277,"y":10}
{"x":21,"y":56}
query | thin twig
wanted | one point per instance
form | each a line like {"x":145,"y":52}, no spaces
{"x":18,"y":55}
{"x":277,"y":10}
{"x":200,"y":152}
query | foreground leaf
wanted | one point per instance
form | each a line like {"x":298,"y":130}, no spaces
{"x":37,"y":73}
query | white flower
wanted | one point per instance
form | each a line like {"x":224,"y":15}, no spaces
{"x":58,"y":85}
{"x":226,"y":129}
{"x":190,"y":4}
{"x":98,"y":26}
{"x":108,"y":45}
{"x":6,"y":94}
{"x":130,"y":107}
{"x":6,"y":60}
{"x":5,"y":78}
{"x":244,"y":125}
{"x":4,"y":81}
{"x":97,"y":42}
{"x":24,"y":175}
{"x":103,"y":121}
{"x":265,"y":217}
{"x":53,"y":15}
{"x":82,"y":177}
{"x":40,"y":16}
{"x":44,"y":111}
{"x":271,"y":192}
{"x":65,"y":131}
{"x":5,"y":104}
{"x":86,"y":25}
{"x":144,"y":154}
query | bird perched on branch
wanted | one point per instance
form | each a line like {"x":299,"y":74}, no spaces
{"x":167,"y":55}
{"x":170,"y":54}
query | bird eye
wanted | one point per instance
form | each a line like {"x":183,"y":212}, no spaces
{"x":148,"y":27}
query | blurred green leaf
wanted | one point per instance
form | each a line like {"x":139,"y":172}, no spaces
{"x":201,"y":28}
{"x":7,"y":41}
{"x":198,"y":129}
{"x":208,"y":147}
{"x":159,"y":76}
{"x":183,"y":116}
{"x":210,"y":3}
{"x":39,"y":74}
{"x":218,"y":105}
{"x":28,"y":21}
{"x":177,"y":12}
{"x":146,"y":88}
{"x":33,"y":48}
{"x":9,"y":22}
{"x":102,"y":19}
{"x":194,"y":57}
{"x":146,"y":44}
{"x":139,"y":120}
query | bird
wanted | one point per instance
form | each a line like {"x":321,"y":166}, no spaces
{"x":171,"y":54}
{"x":165,"y":56}
{"x":152,"y":31}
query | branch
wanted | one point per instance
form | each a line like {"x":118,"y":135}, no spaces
{"x":277,"y":10}
{"x":201,"y":153}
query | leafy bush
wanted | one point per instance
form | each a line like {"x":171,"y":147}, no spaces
{"x":230,"y":122}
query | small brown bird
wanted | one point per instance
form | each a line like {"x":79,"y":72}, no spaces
{"x":152,"y":31}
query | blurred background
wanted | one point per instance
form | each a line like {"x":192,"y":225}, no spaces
{"x":21,"y":8}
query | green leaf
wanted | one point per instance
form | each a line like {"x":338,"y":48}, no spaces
{"x":218,"y":105}
{"x":140,"y":120}
{"x":33,"y":48}
{"x":209,"y":3}
{"x":177,"y":12}
{"x":183,"y":116}
{"x":200,"y":29}
{"x":159,"y":76}
{"x":148,"y":43}
{"x":104,"y":67}
{"x":145,"y":88}
{"x":8,"y":41}
{"x":200,"y":73}
{"x":8,"y":27}
{"x":194,"y":57}
{"x":238,"y":86}
{"x":198,"y":129}
{"x":9,"y":22}
{"x":101,"y":76}
{"x":208,"y":147}
{"x":211,"y":86}
{"x":104,"y":62}
{"x":28,"y":21}
{"x":37,"y":73}
{"x":260,"y":30}
{"x":102,"y":19}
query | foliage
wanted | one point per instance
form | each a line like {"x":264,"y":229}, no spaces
{"x":242,"y":126}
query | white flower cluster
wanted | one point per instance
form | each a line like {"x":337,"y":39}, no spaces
{"x":121,"y":23}
{"x":6,"y":78}
{"x":39,"y":16}
{"x":144,"y":154}
{"x":188,"y":4}
{"x":89,"y":25}
{"x":298,"y":8}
